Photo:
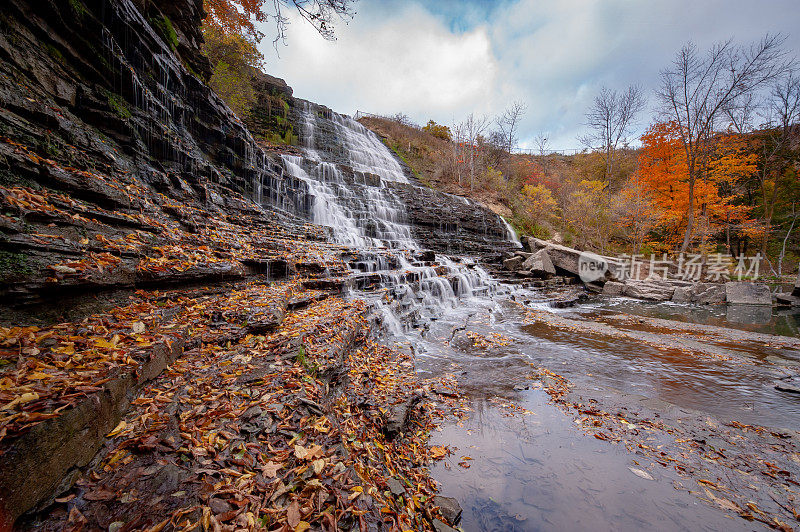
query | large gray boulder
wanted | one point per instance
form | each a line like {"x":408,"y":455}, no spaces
{"x":649,"y":290}
{"x":744,"y":293}
{"x":787,"y":300}
{"x":613,"y":289}
{"x":700,"y":293}
{"x":539,"y":264}
{"x":562,"y":257}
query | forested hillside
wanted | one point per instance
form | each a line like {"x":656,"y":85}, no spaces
{"x":747,"y":200}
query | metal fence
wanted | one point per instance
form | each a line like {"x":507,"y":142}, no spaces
{"x":551,"y":151}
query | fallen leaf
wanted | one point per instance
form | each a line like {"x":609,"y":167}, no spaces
{"x":639,"y":473}
{"x":293,"y":514}
{"x":270,"y":469}
{"x":119,"y":428}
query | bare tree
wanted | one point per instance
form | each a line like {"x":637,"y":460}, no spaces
{"x":700,"y":88}
{"x":541,"y":145}
{"x":472,"y":129}
{"x":783,"y":113}
{"x":321,"y":14}
{"x":610,"y":118}
{"x":508,"y":124}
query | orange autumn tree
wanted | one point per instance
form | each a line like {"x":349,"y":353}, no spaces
{"x":664,"y":177}
{"x":242,"y":17}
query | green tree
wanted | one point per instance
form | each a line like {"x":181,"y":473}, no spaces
{"x":233,"y":61}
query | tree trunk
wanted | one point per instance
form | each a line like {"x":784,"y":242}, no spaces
{"x":687,"y":237}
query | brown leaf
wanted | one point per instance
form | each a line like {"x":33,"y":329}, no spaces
{"x":100,"y":494}
{"x":293,"y":514}
{"x":270,"y":469}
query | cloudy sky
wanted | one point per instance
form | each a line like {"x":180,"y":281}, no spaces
{"x":442,"y":59}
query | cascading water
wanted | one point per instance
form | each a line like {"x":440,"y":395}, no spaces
{"x":346,"y":187}
{"x":343,"y":172}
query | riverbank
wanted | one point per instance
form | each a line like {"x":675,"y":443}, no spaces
{"x":299,"y":419}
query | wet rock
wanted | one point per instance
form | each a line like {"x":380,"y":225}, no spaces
{"x":789,"y":384}
{"x":787,"y":300}
{"x":513,"y":264}
{"x":613,"y":289}
{"x":401,"y":415}
{"x":651,"y":291}
{"x":566,"y":302}
{"x":426,"y":256}
{"x":744,"y":293}
{"x":168,"y":479}
{"x":438,"y":526}
{"x":449,"y":508}
{"x":539,"y":264}
{"x":395,"y":486}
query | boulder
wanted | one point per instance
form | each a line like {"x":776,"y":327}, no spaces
{"x":539,"y":264}
{"x":709,"y":294}
{"x":562,"y":257}
{"x":700,"y":293}
{"x":513,"y":264}
{"x":787,"y":300}
{"x":682,"y":294}
{"x":796,"y":291}
{"x":650,"y":290}
{"x":744,"y":293}
{"x":613,"y":289}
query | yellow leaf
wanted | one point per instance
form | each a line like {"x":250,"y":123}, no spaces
{"x":22,"y":399}
{"x":438,"y":451}
{"x":119,"y":428}
{"x":302,"y":526}
{"x":38,"y":376}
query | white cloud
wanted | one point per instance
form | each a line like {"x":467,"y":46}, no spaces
{"x":553,"y":54}
{"x":409,"y":62}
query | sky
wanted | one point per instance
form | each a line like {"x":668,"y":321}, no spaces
{"x":444,"y":59}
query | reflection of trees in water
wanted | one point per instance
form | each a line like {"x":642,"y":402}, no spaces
{"x":488,"y":418}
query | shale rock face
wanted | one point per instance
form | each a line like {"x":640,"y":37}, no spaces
{"x":107,"y":127}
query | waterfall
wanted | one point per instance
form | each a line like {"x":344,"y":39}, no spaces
{"x":340,"y":182}
{"x":344,"y":168}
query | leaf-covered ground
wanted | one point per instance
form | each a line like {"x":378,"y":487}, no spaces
{"x":309,"y":425}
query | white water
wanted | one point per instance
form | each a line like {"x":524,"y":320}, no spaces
{"x":365,"y":216}
{"x":368,"y":217}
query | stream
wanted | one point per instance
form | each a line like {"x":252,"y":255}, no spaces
{"x":672,"y":389}
{"x":537,"y":470}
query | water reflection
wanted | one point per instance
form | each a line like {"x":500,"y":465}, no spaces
{"x":539,"y":472}
{"x":753,"y":318}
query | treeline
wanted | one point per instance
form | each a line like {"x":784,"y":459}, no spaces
{"x":715,"y":172}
